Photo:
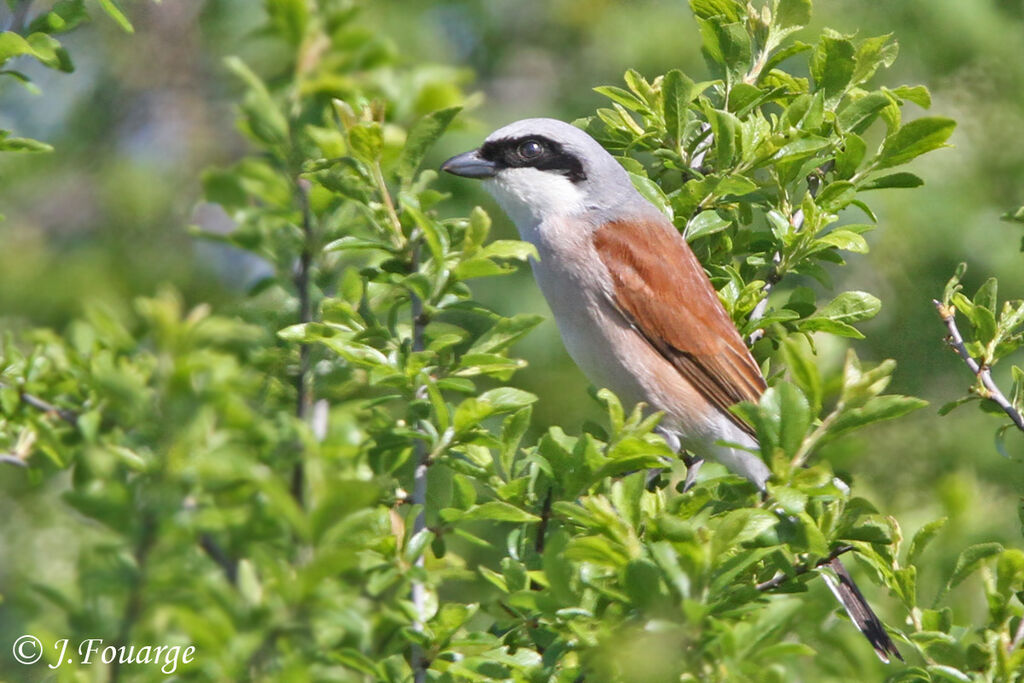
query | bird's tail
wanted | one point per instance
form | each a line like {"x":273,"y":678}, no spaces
{"x":860,"y":612}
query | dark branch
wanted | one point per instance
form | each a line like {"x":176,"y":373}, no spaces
{"x":217,"y":554}
{"x":39,"y":404}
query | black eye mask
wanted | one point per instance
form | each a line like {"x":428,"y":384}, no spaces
{"x":505,"y":153}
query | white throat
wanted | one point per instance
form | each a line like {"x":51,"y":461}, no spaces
{"x":530,"y":197}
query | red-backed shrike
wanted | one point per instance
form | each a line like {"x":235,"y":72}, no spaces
{"x":634,"y":307}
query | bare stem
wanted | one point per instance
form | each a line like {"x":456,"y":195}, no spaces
{"x":419,"y":489}
{"x":755,"y":70}
{"x":389,"y":207}
{"x":988,"y":388}
{"x":773,"y":279}
{"x":542,"y":528}
{"x":780,"y":579}
{"x":819,"y":432}
{"x":303,"y":381}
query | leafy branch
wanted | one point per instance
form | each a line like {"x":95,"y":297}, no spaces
{"x":997,"y":332}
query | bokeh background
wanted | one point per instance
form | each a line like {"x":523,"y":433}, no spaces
{"x":105,"y":217}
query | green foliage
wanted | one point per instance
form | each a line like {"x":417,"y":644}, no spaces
{"x":38,"y":41}
{"x":335,"y":481}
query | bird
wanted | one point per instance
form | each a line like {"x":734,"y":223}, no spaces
{"x":633,"y":304}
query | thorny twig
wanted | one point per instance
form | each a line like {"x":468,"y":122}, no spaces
{"x":988,"y":388}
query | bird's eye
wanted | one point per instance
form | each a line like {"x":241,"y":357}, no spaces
{"x":531,"y":149}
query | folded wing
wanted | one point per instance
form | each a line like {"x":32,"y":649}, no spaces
{"x":662,"y":290}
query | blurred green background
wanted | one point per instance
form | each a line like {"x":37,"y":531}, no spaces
{"x":104,"y":217}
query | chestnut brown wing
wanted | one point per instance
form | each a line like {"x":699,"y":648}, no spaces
{"x":662,"y":290}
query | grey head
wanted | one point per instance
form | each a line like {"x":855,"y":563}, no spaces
{"x":538,"y":169}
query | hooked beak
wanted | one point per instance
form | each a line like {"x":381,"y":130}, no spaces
{"x":470,"y":165}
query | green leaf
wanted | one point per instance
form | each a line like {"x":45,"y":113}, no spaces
{"x":875,"y":410}
{"x":794,"y":416}
{"x":968,"y":563}
{"x":726,"y":129}
{"x":949,"y":407}
{"x":22,"y":144}
{"x":417,"y":544}
{"x":923,"y":537}
{"x":65,"y":15}
{"x":860,"y":113}
{"x":832,"y":64}
{"x":1014,"y":216}
{"x":801,"y":148}
{"x":986,"y":296}
{"x":705,"y":223}
{"x":914,"y":139}
{"x":850,"y":307}
{"x":505,"y":332}
{"x":869,"y":529}
{"x":792,"y":13}
{"x":677,"y":92}
{"x":791,"y":500}
{"x":421,"y":138}
{"x":44,"y":48}
{"x":803,"y":370}
{"x":729,"y":10}
{"x":499,"y":511}
{"x":473,"y":410}
{"x":871,"y":54}
{"x":117,"y":14}
{"x":264,"y":117}
{"x":836,"y":195}
{"x":847,"y":240}
{"x":918,"y":94}
{"x":623,"y":97}
{"x":652,"y":192}
{"x":904,"y":179}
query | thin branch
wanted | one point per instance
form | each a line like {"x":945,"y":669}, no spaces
{"x":397,"y":236}
{"x":817,"y":435}
{"x":422,"y":459}
{"x":759,"y":310}
{"x":42,"y":406}
{"x":813,"y":187}
{"x":988,"y":387}
{"x":216,"y":553}
{"x":134,"y":604}
{"x":750,"y":78}
{"x":780,"y":579}
{"x":303,"y":381}
{"x":542,"y":528}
